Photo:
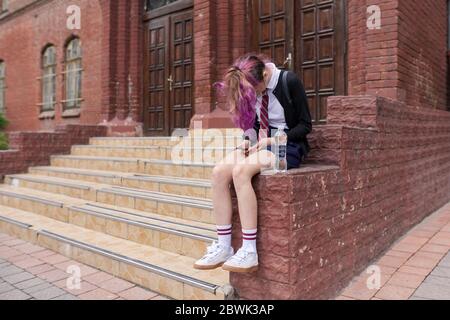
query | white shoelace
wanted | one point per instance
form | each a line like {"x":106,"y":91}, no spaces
{"x":241,"y":255}
{"x":212,"y":250}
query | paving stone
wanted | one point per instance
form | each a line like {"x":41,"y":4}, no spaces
{"x":55,"y":259}
{"x":433,"y":291}
{"x":137,"y":293}
{"x":29,"y":283}
{"x":48,"y":293}
{"x":14,"y":242}
{"x":116,"y":285}
{"x":19,"y":277}
{"x":84,"y":287}
{"x":53,"y":275}
{"x":29,"y":262}
{"x":445,"y":262}
{"x":66,"y":297}
{"x":438,"y":280}
{"x":29,"y":248}
{"x":41,"y":269}
{"x":98,"y":277}
{"x":441,"y":272}
{"x":390,"y":292}
{"x":5,"y":287}
{"x":14,"y":295}
{"x":10,"y":270}
{"x":98,"y":294}
{"x":37,"y":288}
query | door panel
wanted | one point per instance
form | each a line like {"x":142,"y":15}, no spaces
{"x":320,"y":52}
{"x":313,"y":31}
{"x":181,"y":71}
{"x":272,"y":29}
{"x":168,"y":77}
{"x":156,"y":119}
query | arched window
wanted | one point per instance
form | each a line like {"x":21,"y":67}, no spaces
{"x":73,"y":74}
{"x":2,"y":87}
{"x":48,"y":79}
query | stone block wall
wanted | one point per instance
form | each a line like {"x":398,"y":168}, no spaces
{"x":35,"y":148}
{"x":321,"y":225}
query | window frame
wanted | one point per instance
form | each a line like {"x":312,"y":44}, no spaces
{"x":45,"y":105}
{"x":4,"y":6}
{"x":2,"y":86}
{"x":72,"y":65}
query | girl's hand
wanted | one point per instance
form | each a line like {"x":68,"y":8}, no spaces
{"x":262,"y":145}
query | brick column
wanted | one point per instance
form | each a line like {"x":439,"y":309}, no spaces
{"x":219,"y":38}
{"x":122,"y":88}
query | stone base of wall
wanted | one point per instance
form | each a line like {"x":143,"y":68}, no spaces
{"x":319,"y":226}
{"x":35,"y":148}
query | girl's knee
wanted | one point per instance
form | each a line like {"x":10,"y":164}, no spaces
{"x":240,"y":175}
{"x":221,"y":174}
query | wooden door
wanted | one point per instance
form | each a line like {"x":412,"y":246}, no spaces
{"x":181,"y":70}
{"x":308,"y":37}
{"x":168,"y":74}
{"x":272,"y":30}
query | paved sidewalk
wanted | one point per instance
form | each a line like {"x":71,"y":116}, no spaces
{"x":417,"y":267}
{"x":29,"y":272}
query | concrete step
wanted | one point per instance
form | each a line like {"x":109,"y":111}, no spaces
{"x":167,"y":273}
{"x":134,"y":165}
{"x":210,"y":140}
{"x":166,"y":204}
{"x":194,"y":154}
{"x":199,"y":188}
{"x":189,"y":238}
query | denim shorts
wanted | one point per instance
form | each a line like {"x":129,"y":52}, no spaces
{"x":294,"y":155}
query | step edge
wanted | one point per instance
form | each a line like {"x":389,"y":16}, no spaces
{"x":155,"y":198}
{"x":160,"y":218}
{"x":143,"y":224}
{"x":135,"y":262}
{"x":47,"y":179}
{"x":204,"y":183}
{"x":32,"y":198}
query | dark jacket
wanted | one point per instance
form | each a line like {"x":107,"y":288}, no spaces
{"x":297,"y":114}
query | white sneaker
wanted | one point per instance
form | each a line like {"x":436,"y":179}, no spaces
{"x":242,"y":261}
{"x":215,"y":257}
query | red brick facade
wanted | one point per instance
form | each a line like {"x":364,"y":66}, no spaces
{"x":404,"y":60}
{"x":387,"y":140}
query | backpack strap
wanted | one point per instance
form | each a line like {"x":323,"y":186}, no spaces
{"x":286,"y":87}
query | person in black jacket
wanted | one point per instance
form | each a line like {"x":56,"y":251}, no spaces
{"x":262,"y":99}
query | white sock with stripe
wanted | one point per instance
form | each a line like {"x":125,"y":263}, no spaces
{"x":249,"y":239}
{"x":224,"y":235}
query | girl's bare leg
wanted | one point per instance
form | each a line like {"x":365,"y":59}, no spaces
{"x":242,"y":174}
{"x":221,"y":178}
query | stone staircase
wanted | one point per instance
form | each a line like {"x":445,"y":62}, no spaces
{"x":138,"y":208}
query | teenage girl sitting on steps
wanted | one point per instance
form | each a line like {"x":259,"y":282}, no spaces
{"x":260,"y":98}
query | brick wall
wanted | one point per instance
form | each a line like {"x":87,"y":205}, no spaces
{"x":22,"y":39}
{"x":320,"y":227}
{"x":423,"y":52}
{"x":405,"y":59}
{"x":35,"y":148}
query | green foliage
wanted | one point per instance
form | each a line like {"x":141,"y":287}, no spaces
{"x":3,"y":137}
{"x":3,"y":121}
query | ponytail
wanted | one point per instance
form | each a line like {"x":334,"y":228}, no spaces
{"x":239,"y":87}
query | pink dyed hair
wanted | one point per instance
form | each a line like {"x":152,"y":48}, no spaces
{"x":239,"y":85}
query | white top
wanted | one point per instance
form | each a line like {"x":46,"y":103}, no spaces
{"x":276,"y":111}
